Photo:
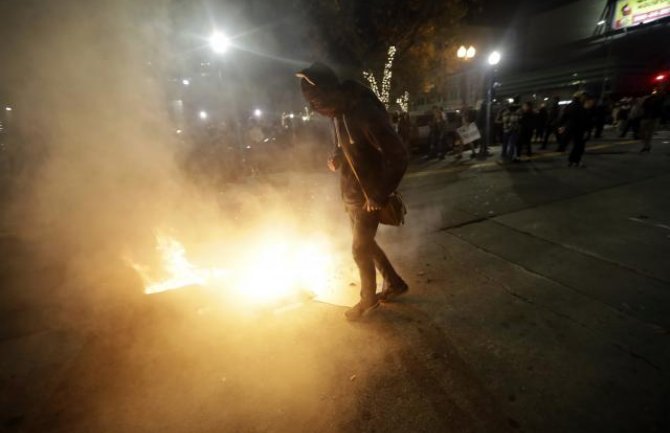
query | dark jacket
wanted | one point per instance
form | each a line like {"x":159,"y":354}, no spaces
{"x":366,"y":138}
{"x":527,"y":123}
{"x":575,"y":119}
{"x":652,"y":106}
{"x":553,"y":114}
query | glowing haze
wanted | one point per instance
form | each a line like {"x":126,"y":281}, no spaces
{"x":103,"y":185}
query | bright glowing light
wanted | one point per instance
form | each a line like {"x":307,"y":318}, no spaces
{"x":258,"y":112}
{"x":270,"y":269}
{"x":289,"y":268}
{"x":203,"y":115}
{"x":219,"y":42}
{"x":186,"y":82}
{"x":660,"y":77}
{"x":462,"y":51}
{"x":601,"y":22}
{"x":181,"y":273}
{"x":178,"y":131}
{"x":470,"y":53}
{"x":291,"y":116}
{"x":510,"y":100}
{"x":8,"y":108}
{"x":494,"y":58}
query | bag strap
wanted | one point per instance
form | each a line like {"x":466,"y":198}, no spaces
{"x":344,"y":151}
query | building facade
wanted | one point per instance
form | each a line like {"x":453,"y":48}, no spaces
{"x":607,"y":48}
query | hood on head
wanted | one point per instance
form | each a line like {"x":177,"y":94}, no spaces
{"x":319,"y":75}
{"x":319,"y":85}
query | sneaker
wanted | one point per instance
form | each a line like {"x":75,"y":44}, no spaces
{"x":358,"y":311}
{"x":391,"y":292}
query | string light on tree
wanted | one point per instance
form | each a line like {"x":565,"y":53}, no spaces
{"x":370,"y":77}
{"x":384,"y":93}
{"x":388,"y":73}
{"x":403,"y":102}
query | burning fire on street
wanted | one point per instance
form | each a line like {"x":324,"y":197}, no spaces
{"x":273,"y":270}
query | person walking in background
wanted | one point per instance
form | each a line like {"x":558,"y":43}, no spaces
{"x":541,"y":123}
{"x":526,"y":128}
{"x":570,"y":121}
{"x":469,"y":116}
{"x":480,"y":121}
{"x":496,"y":115}
{"x":372,"y":161}
{"x":634,"y":118}
{"x":652,"y":111}
{"x":436,"y":134}
{"x":405,"y":129}
{"x":551,"y":125}
{"x":573,"y":124}
{"x":622,"y":116}
{"x":510,"y":116}
{"x":589,"y":114}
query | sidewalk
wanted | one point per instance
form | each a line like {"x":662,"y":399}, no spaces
{"x":553,"y":283}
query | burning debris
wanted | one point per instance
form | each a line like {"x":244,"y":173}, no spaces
{"x":273,"y":269}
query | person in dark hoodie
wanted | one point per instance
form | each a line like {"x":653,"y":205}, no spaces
{"x":372,"y":161}
{"x":526,"y":127}
{"x":573,"y":124}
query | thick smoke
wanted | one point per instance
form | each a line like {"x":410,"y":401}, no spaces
{"x":102,"y":152}
{"x":88,"y":85}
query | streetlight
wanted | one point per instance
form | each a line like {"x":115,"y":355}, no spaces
{"x":203,"y":115}
{"x":186,"y":81}
{"x":466,"y":53}
{"x":8,"y":108}
{"x":462,"y":51}
{"x":494,"y":59}
{"x":258,"y":113}
{"x":219,"y":42}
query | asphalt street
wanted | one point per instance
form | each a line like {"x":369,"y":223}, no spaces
{"x":539,"y":303}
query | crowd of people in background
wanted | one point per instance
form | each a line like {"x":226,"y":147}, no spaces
{"x":522,"y":127}
{"x":230,"y":150}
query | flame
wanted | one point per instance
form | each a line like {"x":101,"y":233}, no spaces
{"x":267,"y":270}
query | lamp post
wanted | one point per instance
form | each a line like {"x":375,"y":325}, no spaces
{"x":465,"y":55}
{"x":493,"y":60}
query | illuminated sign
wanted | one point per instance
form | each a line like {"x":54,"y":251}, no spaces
{"x":633,"y":12}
